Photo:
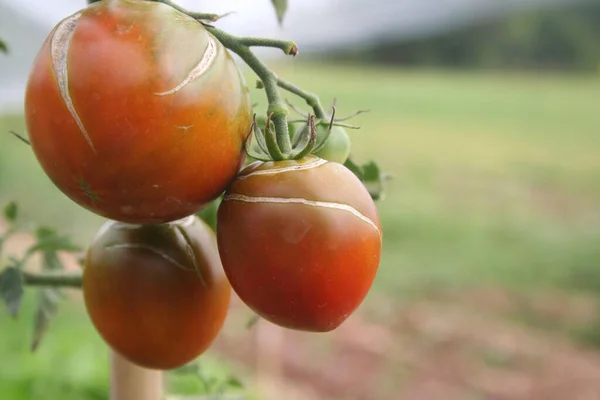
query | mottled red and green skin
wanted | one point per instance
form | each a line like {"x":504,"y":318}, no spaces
{"x":157,"y":294}
{"x":155,"y":158}
{"x":299,"y":266}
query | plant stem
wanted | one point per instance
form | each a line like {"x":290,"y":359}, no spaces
{"x":311,"y":99}
{"x":288,"y":47}
{"x":62,"y":279}
{"x":277,"y":107}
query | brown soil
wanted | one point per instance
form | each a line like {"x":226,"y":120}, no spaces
{"x":484,"y":344}
{"x":459,"y":346}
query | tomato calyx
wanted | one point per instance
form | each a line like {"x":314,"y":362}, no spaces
{"x":305,"y":141}
{"x":330,"y":120}
{"x":310,"y":135}
{"x":267,"y":149}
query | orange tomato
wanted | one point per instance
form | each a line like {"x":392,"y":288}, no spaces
{"x":300,"y":241}
{"x":136,"y":112}
{"x":157,"y":294}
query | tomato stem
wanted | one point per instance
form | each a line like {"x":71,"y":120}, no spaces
{"x":277,"y":107}
{"x":310,"y":98}
{"x":288,"y":47}
{"x":63,"y":279}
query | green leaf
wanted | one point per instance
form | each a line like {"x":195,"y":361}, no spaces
{"x":11,"y":289}
{"x":53,"y":243}
{"x":47,"y":308}
{"x":371,"y":171}
{"x":3,"y":47}
{"x":209,"y":213}
{"x":280,"y":9}
{"x":371,"y":176}
{"x":44,"y":232}
{"x":355,"y":168}
{"x":11,"y":211}
{"x":51,"y":262}
{"x":234,"y":383}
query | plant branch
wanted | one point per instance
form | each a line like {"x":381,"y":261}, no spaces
{"x":55,"y":279}
{"x":311,"y":99}
{"x":277,"y":107}
{"x":288,"y":47}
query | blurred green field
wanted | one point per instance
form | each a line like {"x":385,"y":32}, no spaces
{"x":497,"y":177}
{"x":496,"y":182}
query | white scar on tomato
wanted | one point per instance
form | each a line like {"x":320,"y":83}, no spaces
{"x":190,"y":253}
{"x":310,"y":203}
{"x":313,"y":164}
{"x":59,"y":49}
{"x":140,"y":246}
{"x":207,"y":59}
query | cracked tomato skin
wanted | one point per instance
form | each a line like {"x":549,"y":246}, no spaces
{"x":136,"y":112}
{"x":157,"y":294}
{"x":300,"y":241}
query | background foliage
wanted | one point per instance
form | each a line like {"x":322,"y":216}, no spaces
{"x":564,"y":37}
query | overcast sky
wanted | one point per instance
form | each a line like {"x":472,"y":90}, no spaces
{"x":318,"y":24}
{"x":248,"y":12}
{"x":315,"y":25}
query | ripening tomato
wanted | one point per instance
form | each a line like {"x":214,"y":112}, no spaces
{"x":157,"y":294}
{"x":136,"y":112}
{"x":337,"y":147}
{"x":300,"y":241}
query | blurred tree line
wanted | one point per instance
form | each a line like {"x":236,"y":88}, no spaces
{"x":565,"y":37}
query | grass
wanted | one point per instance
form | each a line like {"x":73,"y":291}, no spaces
{"x":497,"y":181}
{"x":72,"y":361}
{"x":497,"y":177}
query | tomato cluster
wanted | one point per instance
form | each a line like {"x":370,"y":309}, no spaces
{"x":136,"y":112}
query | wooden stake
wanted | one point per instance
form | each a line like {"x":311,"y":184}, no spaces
{"x":269,"y":369}
{"x":130,"y":382}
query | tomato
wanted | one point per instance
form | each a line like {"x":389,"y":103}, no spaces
{"x":157,"y":294}
{"x":300,"y":241}
{"x":136,"y":112}
{"x":337,"y":147}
